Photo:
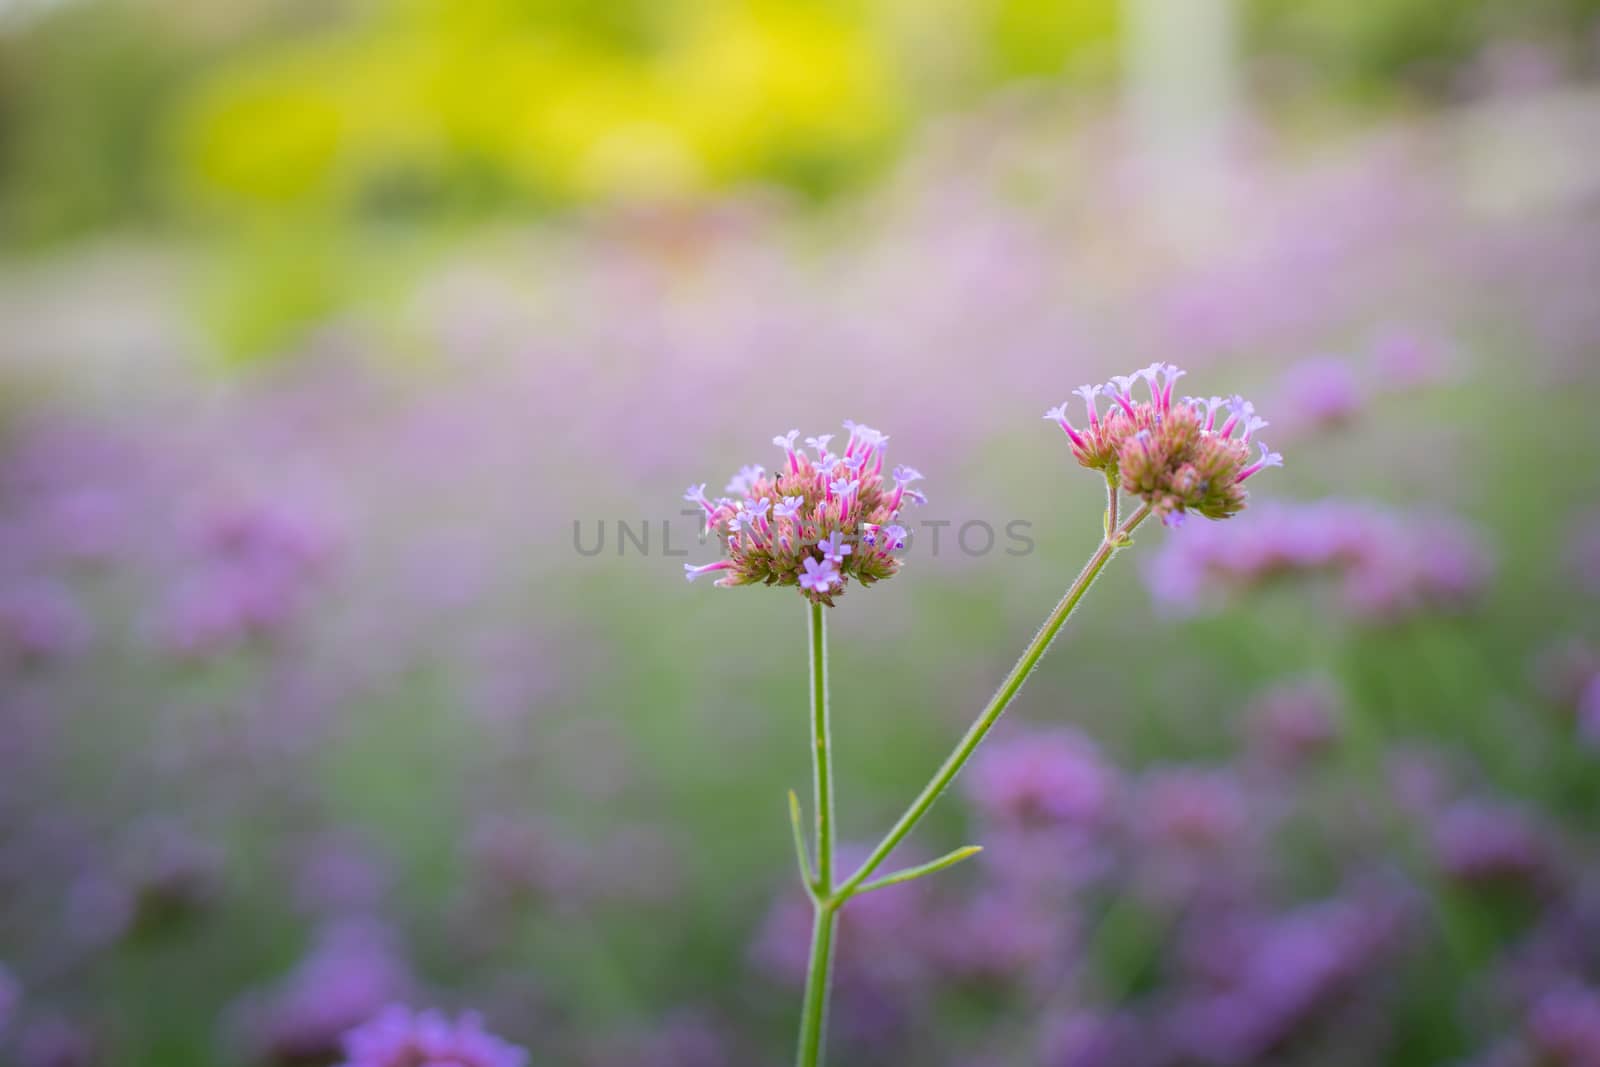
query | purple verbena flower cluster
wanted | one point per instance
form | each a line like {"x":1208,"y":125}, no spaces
{"x":819,"y":520}
{"x":1176,"y":456}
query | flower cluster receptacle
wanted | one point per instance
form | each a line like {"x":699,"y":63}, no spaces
{"x":1177,"y":456}
{"x":818,"y":521}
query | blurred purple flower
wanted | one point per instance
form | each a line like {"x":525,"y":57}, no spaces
{"x":1088,"y":1040}
{"x":99,"y":909}
{"x":1319,"y":393}
{"x":1294,"y":722}
{"x":401,"y":1038}
{"x":1511,"y":67}
{"x":1191,"y":809}
{"x":518,"y":858}
{"x":1291,"y":969}
{"x":1193,"y":837}
{"x":1423,"y":780}
{"x":998,"y":938}
{"x":10,"y":999}
{"x":352,"y":972}
{"x":40,"y":621}
{"x":52,"y":1041}
{"x":85,"y":524}
{"x":1409,"y":358}
{"x":253,"y":569}
{"x":1389,"y":567}
{"x":1564,"y":1026}
{"x":1583,"y":552}
{"x":1042,"y":778}
{"x":1562,"y":671}
{"x":1483,"y":842}
{"x":1589,"y":712}
{"x":338,"y":873}
{"x":1504,"y":1054}
{"x":881,"y":942}
{"x":682,"y":1039}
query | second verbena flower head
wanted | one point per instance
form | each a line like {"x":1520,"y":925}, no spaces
{"x":820,"y":519}
{"x":1191,"y":455}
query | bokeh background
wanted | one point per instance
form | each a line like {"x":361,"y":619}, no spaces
{"x":332,"y":335}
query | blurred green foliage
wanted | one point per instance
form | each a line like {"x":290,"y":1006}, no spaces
{"x":117,"y":111}
{"x":274,"y":129}
{"x":1404,"y":47}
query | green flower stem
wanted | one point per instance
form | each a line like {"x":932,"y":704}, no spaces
{"x":814,"y":1011}
{"x":1109,"y":546}
{"x":821,"y":750}
{"x":818,"y":971}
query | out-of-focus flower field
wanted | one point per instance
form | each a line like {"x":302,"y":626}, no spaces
{"x":353,"y":359}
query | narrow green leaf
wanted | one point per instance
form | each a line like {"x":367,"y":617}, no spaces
{"x":796,"y":821}
{"x":910,"y":873}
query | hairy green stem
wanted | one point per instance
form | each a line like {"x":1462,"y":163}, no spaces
{"x":818,"y":971}
{"x":814,"y":1010}
{"x":821,"y":750}
{"x":1114,"y":540}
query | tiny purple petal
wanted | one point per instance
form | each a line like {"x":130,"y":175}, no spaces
{"x":818,"y":577}
{"x":745,"y":480}
{"x":1268,"y":459}
{"x":691,"y":572}
{"x":834,"y":549}
{"x":1058,"y":415}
